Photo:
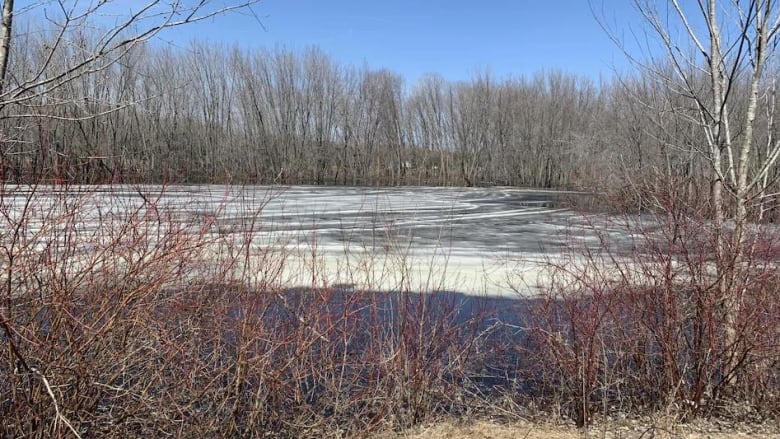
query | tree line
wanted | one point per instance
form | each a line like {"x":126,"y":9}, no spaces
{"x":219,"y":114}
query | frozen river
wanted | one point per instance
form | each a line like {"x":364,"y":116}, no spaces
{"x":464,"y":221}
{"x":472,"y":240}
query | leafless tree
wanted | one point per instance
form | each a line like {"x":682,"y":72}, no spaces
{"x":717,"y":56}
{"x":78,"y":43}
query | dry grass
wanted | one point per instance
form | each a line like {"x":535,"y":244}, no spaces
{"x":482,"y":430}
{"x":528,"y":430}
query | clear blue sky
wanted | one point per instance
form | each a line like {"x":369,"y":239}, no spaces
{"x":454,"y":38}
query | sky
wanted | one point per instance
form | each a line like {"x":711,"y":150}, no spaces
{"x":455,"y":38}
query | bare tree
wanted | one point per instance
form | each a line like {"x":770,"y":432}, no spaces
{"x":72,"y":49}
{"x":716,"y":56}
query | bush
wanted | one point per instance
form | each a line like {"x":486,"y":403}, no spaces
{"x":123,"y":319}
{"x":639,"y":328}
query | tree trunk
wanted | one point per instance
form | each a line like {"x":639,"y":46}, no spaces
{"x":6,"y":28}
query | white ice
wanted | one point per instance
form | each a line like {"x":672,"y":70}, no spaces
{"x":492,"y":241}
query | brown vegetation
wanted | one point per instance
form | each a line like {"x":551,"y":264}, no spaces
{"x":644,"y":331}
{"x":542,"y":430}
{"x":120,"y":322}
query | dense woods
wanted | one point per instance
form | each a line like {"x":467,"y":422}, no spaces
{"x":211,"y":113}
